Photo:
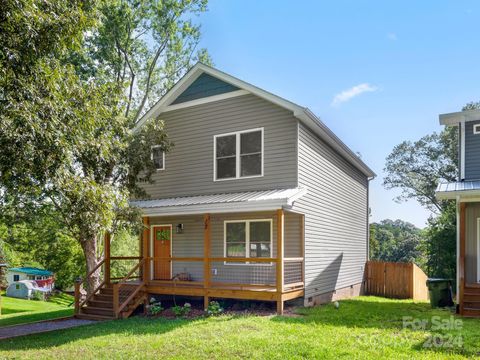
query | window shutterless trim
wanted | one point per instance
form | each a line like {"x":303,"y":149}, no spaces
{"x":163,"y":155}
{"x":476,"y":129}
{"x":247,"y":242}
{"x":237,"y":155}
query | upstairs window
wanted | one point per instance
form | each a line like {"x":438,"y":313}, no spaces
{"x":238,"y":155}
{"x":476,"y":129}
{"x":158,"y":157}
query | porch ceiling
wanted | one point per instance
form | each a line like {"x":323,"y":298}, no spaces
{"x":221,"y":203}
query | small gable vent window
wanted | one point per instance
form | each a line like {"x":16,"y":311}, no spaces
{"x":158,"y":157}
{"x":238,"y":155}
{"x":476,"y":129}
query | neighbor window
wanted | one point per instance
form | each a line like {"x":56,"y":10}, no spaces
{"x":158,"y":157}
{"x":248,"y":238}
{"x":16,"y":277}
{"x":239,"y":154}
{"x":476,"y":129}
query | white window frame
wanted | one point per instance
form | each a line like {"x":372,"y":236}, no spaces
{"x":163,"y":154}
{"x":247,"y":241}
{"x":476,"y":129}
{"x":237,"y":154}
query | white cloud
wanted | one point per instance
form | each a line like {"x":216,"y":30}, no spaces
{"x":349,"y":94}
{"x":392,"y":36}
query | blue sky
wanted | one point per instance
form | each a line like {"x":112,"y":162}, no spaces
{"x":392,"y":67}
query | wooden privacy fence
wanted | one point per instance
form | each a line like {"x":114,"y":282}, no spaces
{"x":395,"y":280}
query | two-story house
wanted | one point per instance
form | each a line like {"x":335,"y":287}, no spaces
{"x":257,"y":199}
{"x":466,"y":192}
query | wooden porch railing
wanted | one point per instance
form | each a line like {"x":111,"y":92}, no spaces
{"x":207,"y":280}
{"x":118,"y":303}
{"x":78,"y":285}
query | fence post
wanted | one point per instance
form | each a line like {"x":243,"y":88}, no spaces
{"x":78,"y":282}
{"x":116,"y":299}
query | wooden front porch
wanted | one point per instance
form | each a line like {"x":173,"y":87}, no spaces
{"x":468,"y":292}
{"x":276,"y":278}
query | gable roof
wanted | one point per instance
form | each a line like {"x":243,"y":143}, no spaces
{"x":301,"y":113}
{"x":31,"y":271}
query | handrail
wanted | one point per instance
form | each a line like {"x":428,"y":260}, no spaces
{"x":294,"y":259}
{"x":131,"y":271}
{"x":80,"y":281}
{"x":117,"y":306}
{"x":125,"y":257}
{"x":92,"y":293}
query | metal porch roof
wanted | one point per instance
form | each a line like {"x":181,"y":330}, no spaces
{"x":225,"y":202}
{"x":462,"y":188}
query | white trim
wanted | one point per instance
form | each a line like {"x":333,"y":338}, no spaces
{"x":476,"y":129}
{"x":152,"y":248}
{"x":163,"y":154}
{"x":247,"y":241}
{"x":299,"y":112}
{"x":205,"y":100}
{"x":462,"y":150}
{"x":453,"y":119}
{"x":478,"y":250}
{"x":237,"y":154}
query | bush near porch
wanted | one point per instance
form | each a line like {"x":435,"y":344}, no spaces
{"x":365,"y":327}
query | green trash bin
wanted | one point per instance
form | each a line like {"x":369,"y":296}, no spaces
{"x":440,"y":291}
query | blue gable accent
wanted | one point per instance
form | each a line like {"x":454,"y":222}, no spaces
{"x":205,"y":85}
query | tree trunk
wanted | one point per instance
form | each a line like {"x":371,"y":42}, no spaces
{"x":89,"y":247}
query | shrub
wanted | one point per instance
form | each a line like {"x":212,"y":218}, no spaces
{"x":214,"y":308}
{"x":38,"y":295}
{"x":154,"y":308}
{"x":182,"y":311}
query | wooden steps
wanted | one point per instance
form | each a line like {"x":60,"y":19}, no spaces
{"x":471,"y":301}
{"x":100,"y":306}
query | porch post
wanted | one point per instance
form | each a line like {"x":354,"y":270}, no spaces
{"x":462,"y":256}
{"x":106,"y":250}
{"x":207,"y":234}
{"x":280,"y":231}
{"x":146,"y":249}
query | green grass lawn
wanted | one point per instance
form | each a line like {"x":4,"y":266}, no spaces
{"x":19,"y":311}
{"x":363,"y":328}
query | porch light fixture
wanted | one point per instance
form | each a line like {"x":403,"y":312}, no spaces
{"x":179,"y":228}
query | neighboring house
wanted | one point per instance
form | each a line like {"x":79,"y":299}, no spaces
{"x":26,"y":289}
{"x":257,"y":199}
{"x":43,"y":278}
{"x":466,"y":192}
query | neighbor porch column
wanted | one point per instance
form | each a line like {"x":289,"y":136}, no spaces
{"x":106,"y":250}
{"x":280,"y":241}
{"x":207,"y":238}
{"x":462,"y":256}
{"x":146,"y":249}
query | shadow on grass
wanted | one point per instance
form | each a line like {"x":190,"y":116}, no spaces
{"x":386,"y":314}
{"x":135,"y":326}
{"x":8,"y":311}
{"x":35,"y":316}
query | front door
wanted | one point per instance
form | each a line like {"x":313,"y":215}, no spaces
{"x":162,"y":240}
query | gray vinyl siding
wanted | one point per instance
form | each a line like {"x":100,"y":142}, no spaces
{"x":335,"y":211}
{"x":190,"y":244}
{"x":205,"y":85}
{"x":189,"y":165}
{"x":472,"y":152}
{"x":472,"y":214}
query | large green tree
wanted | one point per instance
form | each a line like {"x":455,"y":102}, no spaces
{"x":416,"y":168}
{"x":75,"y":77}
{"x":396,"y":241}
